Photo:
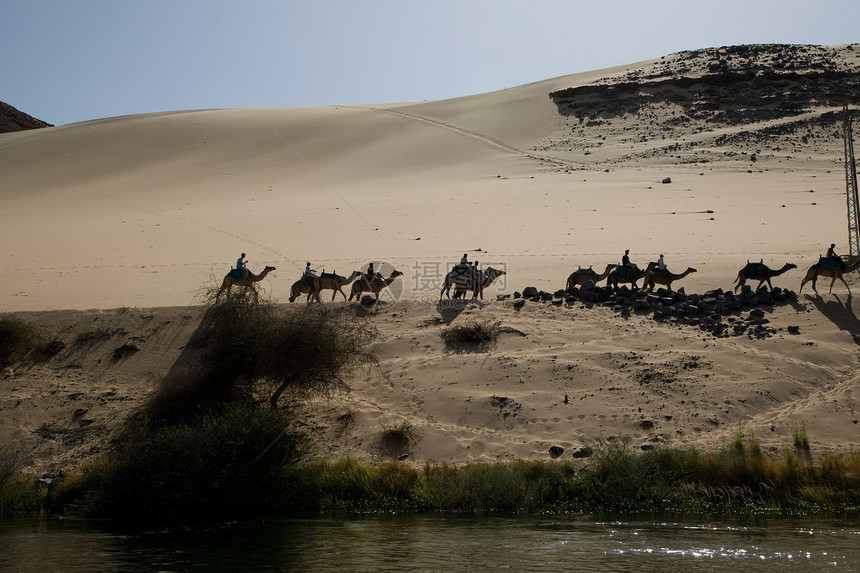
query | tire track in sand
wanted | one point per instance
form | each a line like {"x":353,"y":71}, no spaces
{"x":491,"y":141}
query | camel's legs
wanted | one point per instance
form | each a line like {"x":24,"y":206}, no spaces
{"x":841,"y":278}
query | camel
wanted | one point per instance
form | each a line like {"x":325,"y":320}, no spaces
{"x":761,"y":273}
{"x":580,"y":275}
{"x":634,"y":273}
{"x":373,"y":284}
{"x":664,"y":277}
{"x":334,"y":282}
{"x":235,"y":278}
{"x":301,"y":287}
{"x":468,"y":281}
{"x":818,"y":270}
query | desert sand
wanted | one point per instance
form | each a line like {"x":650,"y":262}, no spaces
{"x":116,"y":226}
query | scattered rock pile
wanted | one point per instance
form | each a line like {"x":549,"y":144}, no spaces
{"x":721,"y":313}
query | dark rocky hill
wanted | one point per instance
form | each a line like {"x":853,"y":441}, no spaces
{"x":13,"y":120}
{"x":760,"y":98}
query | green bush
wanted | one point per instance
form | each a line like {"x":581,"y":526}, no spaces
{"x":226,"y":463}
{"x":19,"y":493}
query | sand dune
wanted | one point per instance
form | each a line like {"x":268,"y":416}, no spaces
{"x":140,"y":213}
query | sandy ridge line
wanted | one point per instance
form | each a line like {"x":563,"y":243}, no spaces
{"x":473,"y":135}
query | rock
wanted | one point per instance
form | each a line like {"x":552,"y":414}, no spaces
{"x":667,"y":180}
{"x":530,"y":292}
{"x":517,"y":294}
{"x":556,"y":451}
{"x":794,"y":330}
{"x":519,"y":303}
{"x":764,"y":297}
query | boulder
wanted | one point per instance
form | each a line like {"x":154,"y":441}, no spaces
{"x":530,"y":292}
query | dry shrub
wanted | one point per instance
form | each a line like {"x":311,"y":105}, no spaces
{"x":254,"y":350}
{"x":481,"y":334}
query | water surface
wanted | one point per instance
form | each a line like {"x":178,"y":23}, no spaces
{"x":435,"y":543}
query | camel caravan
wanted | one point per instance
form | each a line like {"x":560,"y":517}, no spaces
{"x":366,"y":286}
{"x":831,"y":266}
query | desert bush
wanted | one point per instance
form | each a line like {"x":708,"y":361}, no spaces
{"x":481,"y":334}
{"x":256,"y":348}
{"x":255,"y":351}
{"x":398,"y":440}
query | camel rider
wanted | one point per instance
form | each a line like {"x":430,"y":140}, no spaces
{"x":661,"y":265}
{"x":464,"y":260}
{"x":240,"y":265}
{"x":309,"y":275}
{"x":831,"y":254}
{"x":371,"y":273}
{"x":625,"y":260}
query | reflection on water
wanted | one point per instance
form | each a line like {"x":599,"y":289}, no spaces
{"x":433,"y":543}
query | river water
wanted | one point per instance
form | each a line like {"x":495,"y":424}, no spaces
{"x":435,"y":543}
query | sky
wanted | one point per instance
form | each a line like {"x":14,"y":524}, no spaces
{"x":66,"y":61}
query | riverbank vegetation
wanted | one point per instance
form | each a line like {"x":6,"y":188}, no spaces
{"x":218,"y":442}
{"x":244,"y":462}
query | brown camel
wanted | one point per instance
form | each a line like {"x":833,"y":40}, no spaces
{"x":633,"y":274}
{"x":300,"y":287}
{"x":818,"y":270}
{"x":334,"y":282}
{"x":232,"y":280}
{"x":664,"y":277}
{"x":373,"y":284}
{"x":476,"y":284}
{"x":580,"y":275}
{"x":760,"y":272}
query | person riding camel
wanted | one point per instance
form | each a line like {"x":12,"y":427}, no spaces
{"x":240,"y":265}
{"x":831,"y":254}
{"x":625,"y":260}
{"x":309,"y":275}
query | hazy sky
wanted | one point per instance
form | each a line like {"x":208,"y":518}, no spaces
{"x":64,"y":61}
